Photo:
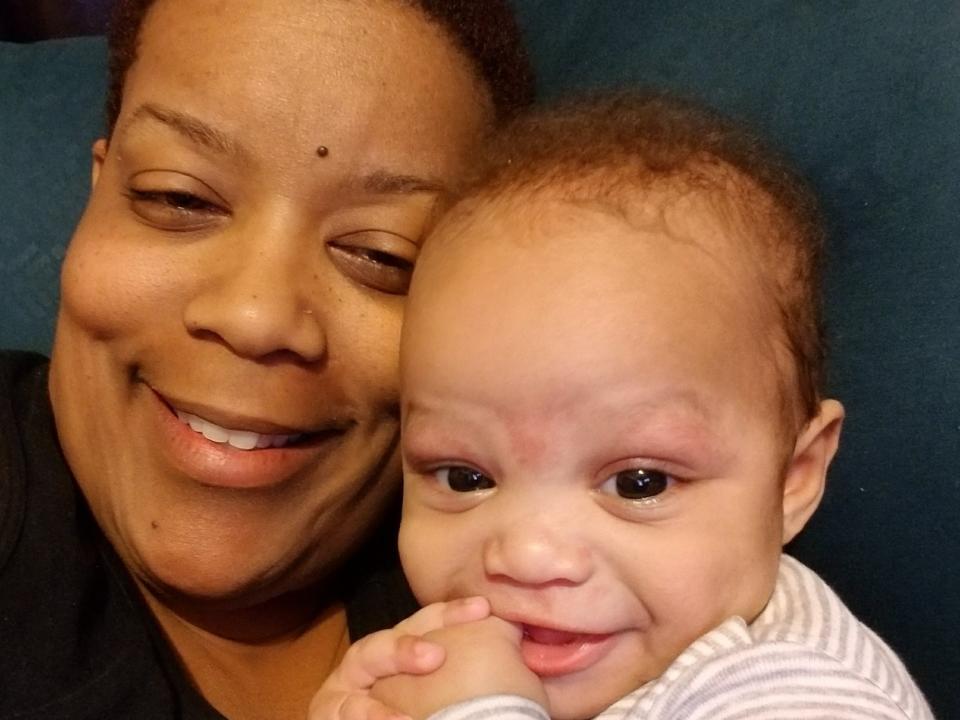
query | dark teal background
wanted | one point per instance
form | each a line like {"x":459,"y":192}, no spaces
{"x":866,"y":98}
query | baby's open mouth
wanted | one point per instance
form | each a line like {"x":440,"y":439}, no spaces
{"x":549,"y":652}
{"x":549,"y":636}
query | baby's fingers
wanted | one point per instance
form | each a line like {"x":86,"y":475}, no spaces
{"x":381,"y":655}
{"x":444,"y":614}
{"x":364,"y":707}
{"x":401,"y":650}
{"x":350,"y":706}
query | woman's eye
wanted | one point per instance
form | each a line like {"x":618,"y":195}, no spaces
{"x":637,"y":484}
{"x":462,"y":479}
{"x":173,"y":209}
{"x":380,"y":260}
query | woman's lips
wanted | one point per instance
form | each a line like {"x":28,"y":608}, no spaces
{"x":215,"y":455}
{"x":550,"y":653}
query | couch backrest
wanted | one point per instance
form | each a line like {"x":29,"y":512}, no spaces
{"x":864,"y":95}
{"x":51,"y":99}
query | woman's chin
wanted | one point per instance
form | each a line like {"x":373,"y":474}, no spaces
{"x":225,"y":575}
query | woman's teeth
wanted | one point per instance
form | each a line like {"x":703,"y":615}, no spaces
{"x":240,"y":439}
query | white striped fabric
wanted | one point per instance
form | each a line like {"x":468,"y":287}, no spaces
{"x":805,"y":657}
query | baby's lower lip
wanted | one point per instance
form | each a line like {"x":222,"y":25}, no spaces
{"x":550,"y":653}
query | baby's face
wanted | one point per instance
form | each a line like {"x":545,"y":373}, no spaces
{"x":591,"y":438}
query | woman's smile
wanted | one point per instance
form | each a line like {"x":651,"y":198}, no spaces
{"x":241,"y":457}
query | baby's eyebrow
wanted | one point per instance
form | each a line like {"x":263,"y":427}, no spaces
{"x":415,"y":412}
{"x":431,"y":421}
{"x":682,"y":414}
{"x":673,"y":401}
{"x":420,"y":435}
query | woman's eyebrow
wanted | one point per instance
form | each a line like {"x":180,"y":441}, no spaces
{"x":377,"y":182}
{"x":192,"y":128}
{"x":381,"y":182}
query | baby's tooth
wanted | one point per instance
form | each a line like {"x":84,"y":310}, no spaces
{"x":243,"y":440}
{"x":278,"y":441}
{"x":196,"y":424}
{"x":264,"y":441}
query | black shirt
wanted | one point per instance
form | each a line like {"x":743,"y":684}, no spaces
{"x":76,"y":638}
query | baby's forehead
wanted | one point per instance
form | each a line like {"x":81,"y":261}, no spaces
{"x":556,"y":250}
{"x":582,"y":238}
{"x":701,"y":217}
{"x":615,"y":284}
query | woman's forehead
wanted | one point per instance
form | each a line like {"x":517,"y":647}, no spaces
{"x":308,"y":73}
{"x":241,"y":27}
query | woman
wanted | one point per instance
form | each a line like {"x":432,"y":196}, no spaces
{"x":223,"y":380}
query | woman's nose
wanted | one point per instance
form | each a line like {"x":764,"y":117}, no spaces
{"x":535,"y":552}
{"x":261,"y":304}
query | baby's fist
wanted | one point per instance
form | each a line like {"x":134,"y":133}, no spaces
{"x":482,"y":658}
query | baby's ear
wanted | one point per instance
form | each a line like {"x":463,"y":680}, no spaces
{"x":807,"y":472}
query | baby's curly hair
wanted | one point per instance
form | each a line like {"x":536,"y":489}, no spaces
{"x":485,"y":31}
{"x":617,"y":147}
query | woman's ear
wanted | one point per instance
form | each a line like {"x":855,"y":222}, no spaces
{"x":807,"y":472}
{"x":99,"y":154}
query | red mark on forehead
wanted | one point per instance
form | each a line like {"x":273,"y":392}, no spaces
{"x":528,"y":440}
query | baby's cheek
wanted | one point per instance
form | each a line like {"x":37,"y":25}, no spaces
{"x":429,"y":557}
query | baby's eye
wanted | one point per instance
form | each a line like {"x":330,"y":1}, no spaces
{"x":462,"y":479}
{"x":637,"y":484}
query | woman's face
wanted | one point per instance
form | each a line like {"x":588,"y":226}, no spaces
{"x":224,"y":371}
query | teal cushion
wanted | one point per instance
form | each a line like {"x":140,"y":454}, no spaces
{"x":51,"y":99}
{"x":865,"y":96}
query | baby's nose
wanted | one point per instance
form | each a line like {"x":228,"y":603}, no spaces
{"x":535,"y":552}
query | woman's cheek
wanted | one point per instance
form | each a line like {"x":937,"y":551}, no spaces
{"x":111,"y":285}
{"x":368,"y":330}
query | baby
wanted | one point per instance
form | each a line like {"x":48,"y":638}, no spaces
{"x":612,"y":423}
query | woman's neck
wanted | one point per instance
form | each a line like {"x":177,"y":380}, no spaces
{"x":257,"y":623}
{"x":262,"y":663}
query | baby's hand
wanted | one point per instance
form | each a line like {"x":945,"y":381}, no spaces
{"x":482,"y":658}
{"x":346,"y":693}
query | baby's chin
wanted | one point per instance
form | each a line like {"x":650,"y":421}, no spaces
{"x":625,"y":668}
{"x":581,"y":706}
{"x":585,"y":695}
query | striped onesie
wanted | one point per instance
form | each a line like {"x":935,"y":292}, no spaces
{"x":805,"y":656}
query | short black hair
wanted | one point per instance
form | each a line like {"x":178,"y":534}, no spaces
{"x":485,"y":31}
